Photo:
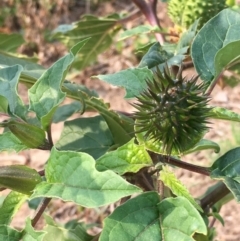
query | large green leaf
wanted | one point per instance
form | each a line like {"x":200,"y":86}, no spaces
{"x":9,"y":234}
{"x":227,"y":169}
{"x":90,"y":135}
{"x":146,"y":218}
{"x":224,"y":114}
{"x":218,"y":32}
{"x":72,"y":176}
{"x":127,"y":158}
{"x":133,"y":80}
{"x":46,"y":94}
{"x":9,"y":142}
{"x":170,"y":180}
{"x":10,"y":206}
{"x":19,"y":178}
{"x":9,"y":77}
{"x":3,"y":104}
{"x":101,"y":31}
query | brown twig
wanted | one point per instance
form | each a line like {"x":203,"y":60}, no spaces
{"x":218,"y":193}
{"x":40,"y":211}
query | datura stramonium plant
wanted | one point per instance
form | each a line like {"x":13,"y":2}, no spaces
{"x":173,"y":111}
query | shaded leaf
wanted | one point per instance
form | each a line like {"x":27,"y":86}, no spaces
{"x":9,"y":77}
{"x":9,"y":234}
{"x":170,"y":180}
{"x":90,"y":135}
{"x":64,"y":112}
{"x":127,"y":158}
{"x":46,"y":94}
{"x":221,"y":30}
{"x":145,"y":217}
{"x":10,"y":206}
{"x":72,"y":176}
{"x":133,"y":80}
{"x":101,"y":31}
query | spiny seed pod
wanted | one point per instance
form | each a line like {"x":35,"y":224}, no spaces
{"x":172,"y":111}
{"x":30,"y":135}
{"x":184,"y":12}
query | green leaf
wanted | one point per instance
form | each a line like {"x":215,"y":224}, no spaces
{"x":57,"y":232}
{"x":64,"y":112}
{"x":170,"y":180}
{"x":145,"y":217}
{"x":133,"y":80}
{"x":9,"y":234}
{"x":186,"y":38}
{"x":19,"y":178}
{"x":10,"y":206}
{"x":45,"y":95}
{"x":9,"y":77}
{"x":224,"y":114}
{"x":90,"y":135}
{"x":218,"y":32}
{"x":9,"y":142}
{"x":100,"y":31}
{"x":127,"y":158}
{"x":72,"y":176}
{"x":32,"y":235}
{"x":120,"y":126}
{"x":31,"y":71}
{"x":227,"y":169}
{"x":227,"y":57}
{"x":204,"y":144}
{"x":139,"y":30}
{"x":10,"y":42}
{"x":169,"y":54}
{"x":3,"y":104}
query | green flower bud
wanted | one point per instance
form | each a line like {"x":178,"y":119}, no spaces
{"x":30,"y":135}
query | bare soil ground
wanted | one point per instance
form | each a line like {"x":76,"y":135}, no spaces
{"x":37,"y":21}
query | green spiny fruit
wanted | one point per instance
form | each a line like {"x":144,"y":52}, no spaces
{"x":30,"y":135}
{"x":184,"y":12}
{"x":173,"y":112}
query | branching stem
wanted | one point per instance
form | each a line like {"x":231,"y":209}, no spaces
{"x":187,"y":166}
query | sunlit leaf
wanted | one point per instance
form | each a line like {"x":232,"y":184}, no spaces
{"x":72,"y":176}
